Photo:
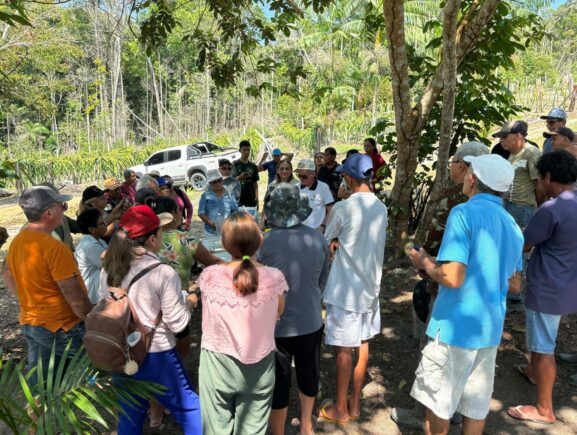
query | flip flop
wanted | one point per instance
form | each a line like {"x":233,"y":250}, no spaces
{"x":324,"y":416}
{"x":517,"y":414}
{"x":522,"y":369}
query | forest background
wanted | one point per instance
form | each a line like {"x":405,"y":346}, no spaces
{"x":88,"y":88}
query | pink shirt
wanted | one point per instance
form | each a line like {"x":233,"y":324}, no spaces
{"x":240,"y":326}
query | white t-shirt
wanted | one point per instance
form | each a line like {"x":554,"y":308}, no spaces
{"x":87,"y":254}
{"x":319,"y":197}
{"x":360,"y":225}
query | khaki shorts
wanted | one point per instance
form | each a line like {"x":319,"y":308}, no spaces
{"x":451,"y":378}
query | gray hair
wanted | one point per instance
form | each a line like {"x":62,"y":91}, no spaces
{"x":146,"y":181}
{"x":483,"y":188}
{"x":474,"y":149}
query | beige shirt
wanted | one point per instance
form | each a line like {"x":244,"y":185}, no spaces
{"x":158,"y":290}
{"x":523,"y":189}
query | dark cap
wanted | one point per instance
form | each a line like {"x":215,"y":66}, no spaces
{"x":563,"y":131}
{"x":91,"y":192}
{"x":512,"y":127}
{"x":39,"y":198}
{"x":143,"y":194}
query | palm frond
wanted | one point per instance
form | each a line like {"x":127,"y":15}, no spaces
{"x":69,"y":397}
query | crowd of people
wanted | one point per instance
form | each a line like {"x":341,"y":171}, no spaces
{"x":500,"y":242}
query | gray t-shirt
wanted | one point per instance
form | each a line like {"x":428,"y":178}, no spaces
{"x":302,"y":255}
{"x":552,"y":270}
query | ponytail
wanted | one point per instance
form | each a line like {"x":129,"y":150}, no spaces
{"x":120,"y":254}
{"x":245,"y":277}
{"x":241,"y":238}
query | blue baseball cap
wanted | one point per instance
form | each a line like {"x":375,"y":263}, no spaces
{"x":162,"y":181}
{"x":358,"y":166}
{"x":276,"y":152}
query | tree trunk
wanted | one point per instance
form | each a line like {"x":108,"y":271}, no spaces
{"x":409,"y":121}
{"x":449,"y":91}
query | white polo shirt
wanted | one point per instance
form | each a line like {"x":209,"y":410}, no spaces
{"x":319,"y":197}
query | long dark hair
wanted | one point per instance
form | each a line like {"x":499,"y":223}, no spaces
{"x":120,"y":254}
{"x":241,"y":237}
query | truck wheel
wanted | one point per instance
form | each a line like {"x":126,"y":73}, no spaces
{"x":198,"y":181}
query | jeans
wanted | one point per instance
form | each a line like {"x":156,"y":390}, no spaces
{"x":164,"y":368}
{"x":541,"y":331}
{"x":40,"y":341}
{"x":522,"y":215}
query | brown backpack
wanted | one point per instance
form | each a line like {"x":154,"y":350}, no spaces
{"x":109,"y":324}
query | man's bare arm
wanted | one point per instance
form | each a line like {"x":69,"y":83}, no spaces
{"x":75,"y":295}
{"x":450,"y":274}
{"x":8,"y":278}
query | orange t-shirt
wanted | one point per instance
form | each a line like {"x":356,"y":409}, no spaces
{"x":37,"y":261}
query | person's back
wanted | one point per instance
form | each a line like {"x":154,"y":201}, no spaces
{"x":241,"y":301}
{"x":301,"y":254}
{"x":236,"y":325}
{"x":360,"y":224}
{"x":484,"y":237}
{"x":37,"y":262}
{"x":552,"y":271}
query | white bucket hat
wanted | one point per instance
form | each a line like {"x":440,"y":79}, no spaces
{"x":213,"y":175}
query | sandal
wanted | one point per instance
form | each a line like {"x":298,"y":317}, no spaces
{"x":323,"y":414}
{"x":518,"y":414}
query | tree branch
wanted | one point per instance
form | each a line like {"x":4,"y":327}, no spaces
{"x":467,"y":32}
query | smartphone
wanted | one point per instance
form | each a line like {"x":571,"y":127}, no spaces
{"x":416,"y":247}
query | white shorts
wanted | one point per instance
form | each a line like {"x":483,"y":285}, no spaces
{"x":451,"y":378}
{"x":348,"y":329}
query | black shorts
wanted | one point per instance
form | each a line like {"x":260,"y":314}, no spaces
{"x":306,"y":350}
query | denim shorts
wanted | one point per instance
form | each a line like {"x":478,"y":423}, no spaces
{"x":541,"y":331}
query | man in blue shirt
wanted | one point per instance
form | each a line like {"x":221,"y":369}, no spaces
{"x":271,"y":165}
{"x":479,"y":255}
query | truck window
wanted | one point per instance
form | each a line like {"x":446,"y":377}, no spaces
{"x":173,"y":155}
{"x":156,"y":159}
{"x":192,"y":153}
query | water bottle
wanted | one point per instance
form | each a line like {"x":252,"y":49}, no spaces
{"x":219,"y":221}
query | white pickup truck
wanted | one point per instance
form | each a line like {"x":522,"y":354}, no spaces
{"x":187,"y":164}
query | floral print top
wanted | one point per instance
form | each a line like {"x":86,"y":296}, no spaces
{"x":178,"y":249}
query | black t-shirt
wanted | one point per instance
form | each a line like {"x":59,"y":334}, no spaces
{"x":247,"y":187}
{"x":331,"y":177}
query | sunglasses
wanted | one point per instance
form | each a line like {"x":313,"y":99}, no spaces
{"x":303,"y":176}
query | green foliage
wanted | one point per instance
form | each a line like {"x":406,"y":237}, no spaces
{"x":7,"y":172}
{"x":83,"y":166}
{"x":72,"y":398}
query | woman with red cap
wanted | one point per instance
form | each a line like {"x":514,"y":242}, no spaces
{"x":134,"y":248}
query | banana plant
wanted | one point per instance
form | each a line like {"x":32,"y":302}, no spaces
{"x":71,"y":396}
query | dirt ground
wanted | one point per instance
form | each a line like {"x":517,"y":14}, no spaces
{"x":394,"y":357}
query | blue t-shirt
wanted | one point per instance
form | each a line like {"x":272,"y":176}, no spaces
{"x":552,"y":269}
{"x":481,"y":235}
{"x":211,"y":205}
{"x":271,"y":169}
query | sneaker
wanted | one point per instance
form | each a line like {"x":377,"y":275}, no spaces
{"x":407,"y":418}
{"x":569,"y":359}
{"x":514,"y":306}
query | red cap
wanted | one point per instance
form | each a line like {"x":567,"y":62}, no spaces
{"x":139,"y":221}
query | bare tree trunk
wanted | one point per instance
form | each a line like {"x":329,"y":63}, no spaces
{"x":449,"y":91}
{"x":157,"y":97}
{"x":409,"y":121}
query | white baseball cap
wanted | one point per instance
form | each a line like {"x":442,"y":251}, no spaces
{"x":493,"y":171}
